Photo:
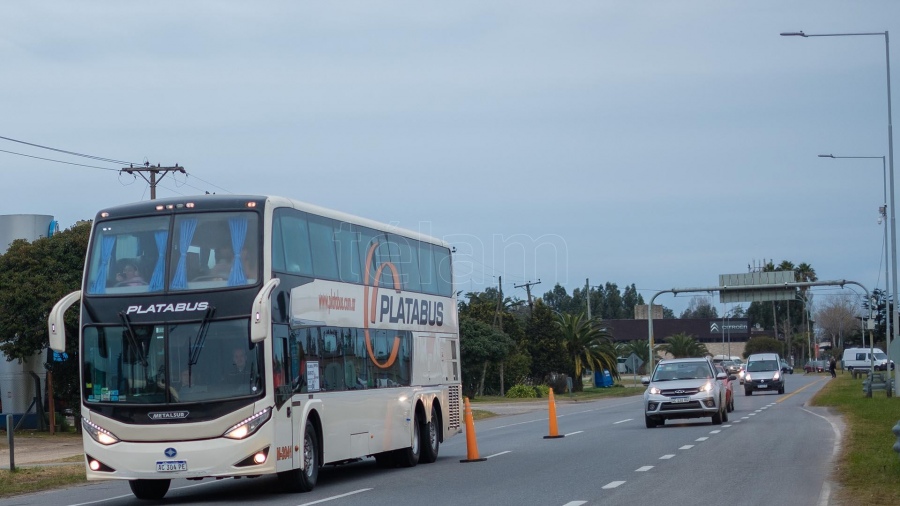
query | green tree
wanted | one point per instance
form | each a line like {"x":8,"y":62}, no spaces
{"x":630,"y":299}
{"x":559,"y":300}
{"x":641,"y":349}
{"x":700,"y":307}
{"x":544,"y":343}
{"x":763,"y":345}
{"x":33,"y":277}
{"x":480,"y":344}
{"x":681,"y":345}
{"x":587,"y":344}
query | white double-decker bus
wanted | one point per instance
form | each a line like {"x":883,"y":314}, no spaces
{"x":229,"y":336}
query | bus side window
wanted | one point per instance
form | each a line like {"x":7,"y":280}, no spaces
{"x":408,"y":263}
{"x":427,"y":270}
{"x":444,"y":272}
{"x":322,"y":246}
{"x":295,"y":238}
{"x":347,"y":244}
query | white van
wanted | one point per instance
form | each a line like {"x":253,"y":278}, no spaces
{"x":860,"y":358}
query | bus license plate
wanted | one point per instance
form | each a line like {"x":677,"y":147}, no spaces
{"x":168,"y":466}
{"x":679,"y":399}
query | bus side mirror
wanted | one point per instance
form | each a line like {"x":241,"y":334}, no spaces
{"x":261,"y":312}
{"x":56,"y":321}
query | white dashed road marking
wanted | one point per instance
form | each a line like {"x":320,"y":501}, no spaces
{"x":666,"y":457}
{"x":612,"y":484}
{"x":686,"y":447}
{"x":643,"y":469}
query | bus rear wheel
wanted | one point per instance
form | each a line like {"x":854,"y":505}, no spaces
{"x":304,"y":480}
{"x":431,"y":439}
{"x":149,"y":489}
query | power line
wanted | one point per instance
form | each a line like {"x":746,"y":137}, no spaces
{"x":73,"y":153}
{"x":57,"y":161}
{"x":110,"y":160}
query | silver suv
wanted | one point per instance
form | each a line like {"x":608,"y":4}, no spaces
{"x":684,"y":388}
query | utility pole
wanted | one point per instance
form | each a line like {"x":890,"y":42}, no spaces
{"x":498,"y":321}
{"x":154,"y":172}
{"x":528,"y":286}
{"x":587,"y":296}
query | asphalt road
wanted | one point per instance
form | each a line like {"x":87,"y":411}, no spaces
{"x":773,"y":448}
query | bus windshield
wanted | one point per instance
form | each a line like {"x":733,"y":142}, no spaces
{"x":174,"y":253}
{"x":170,"y":364}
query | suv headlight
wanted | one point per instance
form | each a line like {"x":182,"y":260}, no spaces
{"x":747,"y":377}
{"x":776,"y":376}
{"x":654,"y":391}
{"x":99,"y":434}
{"x":706,"y":388}
{"x":247,"y":427}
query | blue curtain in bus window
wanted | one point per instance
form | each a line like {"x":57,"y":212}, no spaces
{"x":106,"y":249}
{"x":156,"y":281}
{"x":238,"y":228}
{"x":188,"y":226}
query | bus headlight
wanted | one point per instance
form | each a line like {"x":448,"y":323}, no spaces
{"x":246,"y":427}
{"x":99,"y":434}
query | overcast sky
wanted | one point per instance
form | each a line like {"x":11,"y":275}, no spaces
{"x":659,"y":143}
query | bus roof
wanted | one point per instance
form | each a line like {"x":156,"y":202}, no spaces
{"x":232,"y":202}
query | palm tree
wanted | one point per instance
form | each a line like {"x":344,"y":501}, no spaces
{"x":588,"y":344}
{"x":640,"y":348}
{"x":682,"y":345}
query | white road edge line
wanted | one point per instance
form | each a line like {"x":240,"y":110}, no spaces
{"x":573,"y":433}
{"x":498,"y":454}
{"x":335,"y":497}
{"x":623,"y":421}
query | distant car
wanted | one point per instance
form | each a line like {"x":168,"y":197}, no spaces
{"x":729,"y":387}
{"x":763,"y":373}
{"x":730,"y":366}
{"x":815,"y":366}
{"x":786,"y":367}
{"x":684,"y":388}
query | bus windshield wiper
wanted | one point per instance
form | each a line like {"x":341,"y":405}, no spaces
{"x":132,"y":339}
{"x":197,"y":345}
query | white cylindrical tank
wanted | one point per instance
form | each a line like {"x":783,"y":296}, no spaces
{"x":16,"y":384}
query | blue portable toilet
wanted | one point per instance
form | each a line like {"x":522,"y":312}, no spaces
{"x":603,"y":379}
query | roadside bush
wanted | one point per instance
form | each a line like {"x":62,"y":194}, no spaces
{"x":521,"y":392}
{"x":557,"y":382}
{"x":542,"y":390}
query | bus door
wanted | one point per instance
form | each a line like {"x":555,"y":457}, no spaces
{"x":283,"y":414}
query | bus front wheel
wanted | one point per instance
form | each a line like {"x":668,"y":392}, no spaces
{"x":304,"y":480}
{"x":409,"y":457}
{"x":149,"y":489}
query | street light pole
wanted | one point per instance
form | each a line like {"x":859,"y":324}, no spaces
{"x":887,"y":244}
{"x":887,"y":57}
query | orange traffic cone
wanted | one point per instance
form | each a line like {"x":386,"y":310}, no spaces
{"x":471,"y":444}
{"x":554,"y":432}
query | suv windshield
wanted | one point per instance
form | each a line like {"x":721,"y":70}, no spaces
{"x":682,"y":371}
{"x":762,"y":365}
{"x":158,"y":364}
{"x":174,"y":252}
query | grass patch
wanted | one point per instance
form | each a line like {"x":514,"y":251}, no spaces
{"x":35,"y":479}
{"x":480,"y":414}
{"x":868,"y":469}
{"x":589,"y":393}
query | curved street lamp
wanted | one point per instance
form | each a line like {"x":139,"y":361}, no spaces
{"x":887,"y":55}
